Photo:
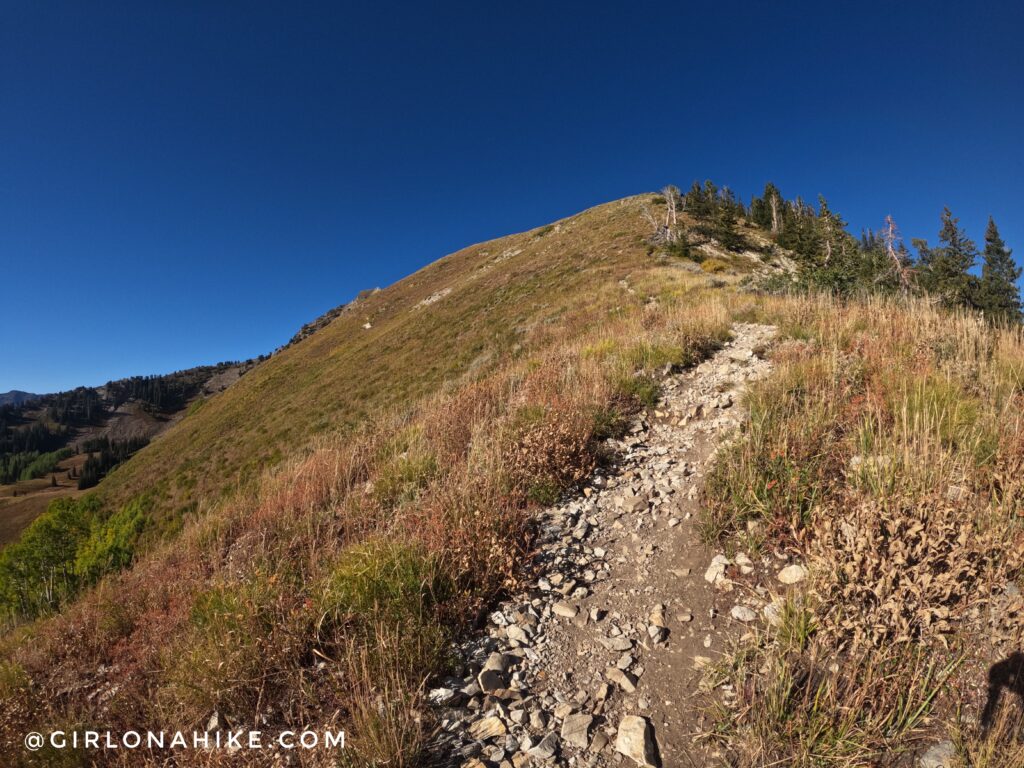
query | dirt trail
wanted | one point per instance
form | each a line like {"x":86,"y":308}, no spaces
{"x":599,"y":661}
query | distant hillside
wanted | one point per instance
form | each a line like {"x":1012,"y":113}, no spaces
{"x":16,"y":397}
{"x":60,"y":444}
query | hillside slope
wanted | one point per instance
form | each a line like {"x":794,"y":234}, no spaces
{"x":462,"y":314}
{"x":419,"y":428}
{"x":548,"y":420}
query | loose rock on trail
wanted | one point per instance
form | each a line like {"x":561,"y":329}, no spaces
{"x":599,"y":662}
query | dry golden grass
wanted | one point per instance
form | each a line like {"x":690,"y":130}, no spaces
{"x":884,"y":452}
{"x":499,"y":300}
{"x":326,"y":594}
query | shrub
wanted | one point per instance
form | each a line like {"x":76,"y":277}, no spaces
{"x":399,"y":582}
{"x":713,"y":265}
{"x":37,"y":572}
{"x":642,"y":388}
{"x":112,"y":542}
{"x":45,"y":464}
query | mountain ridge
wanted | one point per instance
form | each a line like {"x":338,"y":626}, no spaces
{"x":17,"y":397}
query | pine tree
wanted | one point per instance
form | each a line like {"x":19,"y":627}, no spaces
{"x":944,"y":270}
{"x":696,"y":203}
{"x":829,"y":250}
{"x":998,"y":293}
{"x":725,"y":228}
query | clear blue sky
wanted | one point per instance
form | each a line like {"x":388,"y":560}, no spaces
{"x":186,"y":182}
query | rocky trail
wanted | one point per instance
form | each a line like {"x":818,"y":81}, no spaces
{"x":600,"y":661}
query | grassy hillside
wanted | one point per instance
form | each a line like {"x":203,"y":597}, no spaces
{"x":464,"y":314}
{"x":884,"y":452}
{"x":467,"y":316}
{"x":336,"y":580}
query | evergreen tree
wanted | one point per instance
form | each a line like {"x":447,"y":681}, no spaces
{"x":680,"y":247}
{"x":696,"y":203}
{"x":710,"y":192}
{"x":725,"y":231}
{"x":998,"y":294}
{"x":944,"y":270}
{"x":760,"y":216}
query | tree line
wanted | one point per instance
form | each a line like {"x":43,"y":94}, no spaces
{"x":104,"y":455}
{"x":829,"y":257}
{"x":45,"y":424}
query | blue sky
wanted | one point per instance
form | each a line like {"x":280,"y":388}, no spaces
{"x":187,"y":182}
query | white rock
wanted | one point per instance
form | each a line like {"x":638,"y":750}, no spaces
{"x":517,"y":635}
{"x":440,"y":697}
{"x":636,"y":741}
{"x":716,"y":570}
{"x":792,"y":574}
{"x":623,"y":679}
{"x":564,"y":609}
{"x":773,"y":613}
{"x":941,"y":755}
{"x":742,"y":613}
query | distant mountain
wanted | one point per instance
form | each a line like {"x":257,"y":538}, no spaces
{"x":112,"y":421}
{"x":16,"y":397}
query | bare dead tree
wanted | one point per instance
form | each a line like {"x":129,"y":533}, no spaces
{"x":892,"y":249}
{"x":671,"y":211}
{"x":774,"y":202}
{"x":666,"y":231}
{"x":648,"y":215}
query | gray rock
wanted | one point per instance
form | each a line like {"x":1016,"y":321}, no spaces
{"x":617,"y":643}
{"x":547,"y":748}
{"x":498,"y":662}
{"x":576,"y":730}
{"x":491,"y":680}
{"x":939,"y":755}
{"x":742,"y":613}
